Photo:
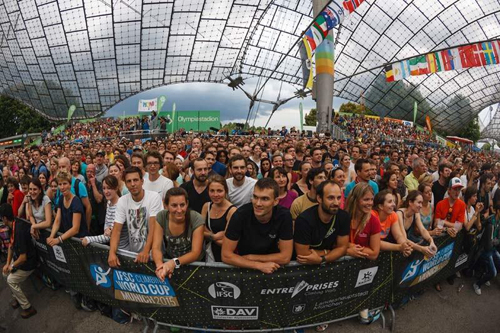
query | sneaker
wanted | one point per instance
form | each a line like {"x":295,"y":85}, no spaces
{"x":29,"y":312}
{"x":77,"y":300}
{"x":487,"y":284}
{"x":477,"y":290}
{"x":88,"y":304}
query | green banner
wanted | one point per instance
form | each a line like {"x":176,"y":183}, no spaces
{"x":198,"y":121}
{"x":71,"y":110}
{"x":161,"y":101}
{"x":301,"y":109}
{"x":415,"y":110}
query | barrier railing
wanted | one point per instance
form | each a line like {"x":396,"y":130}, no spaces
{"x":217,"y":297}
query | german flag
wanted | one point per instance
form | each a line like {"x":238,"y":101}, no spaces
{"x":389,"y":74}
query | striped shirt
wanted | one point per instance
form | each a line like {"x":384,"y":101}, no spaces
{"x":108,"y":223}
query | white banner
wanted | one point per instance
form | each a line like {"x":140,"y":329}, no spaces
{"x":148,"y":105}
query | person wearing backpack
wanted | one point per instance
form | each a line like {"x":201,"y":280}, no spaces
{"x":38,"y":166}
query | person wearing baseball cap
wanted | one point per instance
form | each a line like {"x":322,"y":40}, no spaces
{"x":101,"y":170}
{"x":450,"y":211}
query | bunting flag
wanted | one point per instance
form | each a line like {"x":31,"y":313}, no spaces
{"x":467,"y":56}
{"x":332,"y":16}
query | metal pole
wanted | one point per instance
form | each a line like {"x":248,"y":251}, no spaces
{"x":324,"y":74}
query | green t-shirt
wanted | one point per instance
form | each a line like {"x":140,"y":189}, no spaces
{"x":177,"y":246}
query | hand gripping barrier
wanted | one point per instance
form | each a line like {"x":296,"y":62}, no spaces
{"x":221,"y":297}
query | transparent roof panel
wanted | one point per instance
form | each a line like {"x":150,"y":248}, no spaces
{"x":95,"y":53}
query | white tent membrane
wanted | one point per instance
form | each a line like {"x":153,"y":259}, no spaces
{"x":95,"y":53}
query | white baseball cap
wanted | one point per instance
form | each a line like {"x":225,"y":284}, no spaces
{"x":456,"y":182}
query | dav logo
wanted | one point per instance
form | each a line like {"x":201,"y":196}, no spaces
{"x":235,"y":312}
{"x":100,"y":276}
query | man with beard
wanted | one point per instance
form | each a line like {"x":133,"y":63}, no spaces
{"x":322,"y":231}
{"x":197,"y":187}
{"x":240,"y":186}
{"x":260,"y":231}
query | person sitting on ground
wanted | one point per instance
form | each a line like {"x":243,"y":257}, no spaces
{"x":182,"y":229}
{"x":261,"y":232}
{"x":286,"y":196}
{"x":217,"y":214}
{"x":21,"y":260}
{"x":137,"y":209}
{"x":111,"y":191}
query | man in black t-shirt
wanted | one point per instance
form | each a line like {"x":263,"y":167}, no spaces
{"x":21,"y":260}
{"x":261,"y":231}
{"x":322,"y":231}
{"x":440,"y":186}
{"x":197,"y":188}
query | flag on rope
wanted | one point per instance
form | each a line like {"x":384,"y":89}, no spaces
{"x":467,"y":56}
{"x":331,"y":16}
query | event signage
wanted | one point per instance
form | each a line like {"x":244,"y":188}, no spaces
{"x":148,"y":105}
{"x":225,"y":297}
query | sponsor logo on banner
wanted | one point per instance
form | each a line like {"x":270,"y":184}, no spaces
{"x":235,"y":312}
{"x":224,"y":290}
{"x":332,"y":303}
{"x":420,"y":270}
{"x":59,"y":253}
{"x":100,"y":276}
{"x":309,"y":289}
{"x":298,"y":308}
{"x":462,"y":259}
{"x":143,"y":288}
{"x":366,"y":276}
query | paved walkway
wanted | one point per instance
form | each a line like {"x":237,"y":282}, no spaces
{"x":433,"y":312}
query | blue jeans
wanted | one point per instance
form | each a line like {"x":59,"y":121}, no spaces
{"x":492,"y":260}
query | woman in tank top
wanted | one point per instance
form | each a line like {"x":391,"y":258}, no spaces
{"x":300,"y":187}
{"x":217,"y":214}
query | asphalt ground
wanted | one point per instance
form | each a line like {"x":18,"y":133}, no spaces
{"x":448,"y":311}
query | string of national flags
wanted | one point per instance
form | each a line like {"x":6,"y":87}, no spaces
{"x":467,"y":56}
{"x":331,"y":16}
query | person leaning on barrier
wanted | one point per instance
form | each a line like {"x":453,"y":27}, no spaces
{"x":21,"y":260}
{"x":391,"y":236}
{"x":217,"y":214}
{"x":70,"y":217}
{"x":364,"y":238}
{"x":137,"y":209}
{"x":111,"y":191}
{"x":240,"y":186}
{"x":260,"y":231}
{"x":39,"y":210}
{"x":182,"y":229}
{"x":322,"y":232}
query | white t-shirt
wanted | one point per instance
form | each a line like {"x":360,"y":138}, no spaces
{"x":160,"y":186}
{"x":136,"y":215}
{"x":470,"y":214}
{"x":240,"y":195}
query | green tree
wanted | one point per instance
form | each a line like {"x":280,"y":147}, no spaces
{"x":311,"y":118}
{"x":17,"y":118}
{"x":486,"y":147}
{"x":472,"y":131}
{"x":351,"y":107}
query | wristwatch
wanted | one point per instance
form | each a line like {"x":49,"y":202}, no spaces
{"x":177,"y":263}
{"x":323,"y":261}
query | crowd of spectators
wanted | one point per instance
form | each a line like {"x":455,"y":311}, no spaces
{"x":256,"y":202}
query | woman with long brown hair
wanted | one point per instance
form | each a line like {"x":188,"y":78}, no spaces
{"x":180,"y":226}
{"x":364,"y":240}
{"x":300,"y":187}
{"x":217,"y":214}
